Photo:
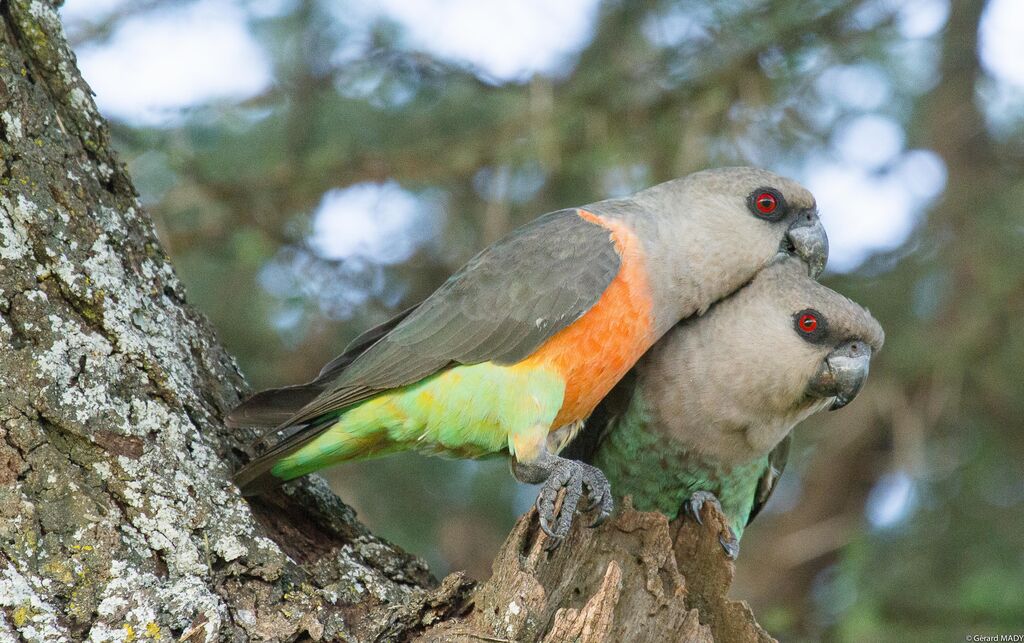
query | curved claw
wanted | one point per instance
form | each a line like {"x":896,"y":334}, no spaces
{"x":605,"y":508}
{"x":563,"y":474}
{"x":563,"y":522}
{"x":602,"y":517}
{"x":694,"y":504}
{"x":600,"y":492}
{"x":545,"y":523}
{"x":693,"y":512}
{"x":730,"y":543}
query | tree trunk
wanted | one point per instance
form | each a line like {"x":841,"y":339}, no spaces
{"x":118,"y":519}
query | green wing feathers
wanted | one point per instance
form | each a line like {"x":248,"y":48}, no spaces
{"x":466,"y":411}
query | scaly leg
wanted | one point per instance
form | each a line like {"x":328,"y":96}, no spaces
{"x":556,"y":473}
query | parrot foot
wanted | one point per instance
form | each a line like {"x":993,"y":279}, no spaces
{"x":576,"y":478}
{"x":728,"y":540}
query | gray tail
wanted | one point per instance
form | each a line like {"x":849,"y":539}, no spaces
{"x":271,"y":408}
{"x":256,"y":477}
{"x":270,"y":411}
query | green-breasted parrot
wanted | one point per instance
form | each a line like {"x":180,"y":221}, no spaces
{"x":707,"y":413}
{"x":515,"y":350}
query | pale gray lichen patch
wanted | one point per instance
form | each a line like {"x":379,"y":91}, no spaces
{"x":41,"y":11}
{"x":229,"y":548}
{"x":34,"y":617}
{"x":79,"y":99}
{"x":126,"y":604}
{"x":357,"y":579}
{"x":137,"y":321}
{"x":77,"y":375}
{"x":13,"y":227}
{"x":12,"y":124}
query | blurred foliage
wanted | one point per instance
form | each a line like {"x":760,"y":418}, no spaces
{"x":661,"y":89}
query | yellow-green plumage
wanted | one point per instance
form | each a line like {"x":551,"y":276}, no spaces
{"x":466,"y":411}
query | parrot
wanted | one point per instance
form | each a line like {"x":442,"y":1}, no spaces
{"x":706,"y":415}
{"x":513,"y":352}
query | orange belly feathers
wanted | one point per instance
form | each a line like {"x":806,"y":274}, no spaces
{"x":594,"y":353}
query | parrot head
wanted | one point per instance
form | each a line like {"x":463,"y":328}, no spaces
{"x":747,"y":212}
{"x":735,"y":381}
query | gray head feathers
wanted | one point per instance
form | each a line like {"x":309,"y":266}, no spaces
{"x":733,"y":383}
{"x":728,"y":183}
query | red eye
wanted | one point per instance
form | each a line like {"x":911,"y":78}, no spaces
{"x":808,"y":323}
{"x":766,"y":202}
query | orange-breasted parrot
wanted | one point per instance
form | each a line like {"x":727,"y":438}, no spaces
{"x":706,"y":414}
{"x":514,"y":351}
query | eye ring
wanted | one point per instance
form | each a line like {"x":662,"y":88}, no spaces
{"x":767,"y":203}
{"x":807,"y":323}
{"x":811,"y":325}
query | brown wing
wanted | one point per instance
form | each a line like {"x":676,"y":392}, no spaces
{"x":770,"y":478}
{"x":500,"y":307}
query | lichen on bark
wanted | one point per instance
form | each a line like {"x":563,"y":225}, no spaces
{"x":119,"y":520}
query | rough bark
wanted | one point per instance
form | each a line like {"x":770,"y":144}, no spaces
{"x":636,"y":578}
{"x":118,"y":520}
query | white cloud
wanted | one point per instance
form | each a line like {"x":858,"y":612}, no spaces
{"x":864,"y":87}
{"x":869,"y":141}
{"x":87,"y":10}
{"x":160,"y":62}
{"x":509,"y":40}
{"x":892,"y":499}
{"x":922,"y":18}
{"x":377,"y":221}
{"x":1002,"y":40}
{"x":864,"y":211}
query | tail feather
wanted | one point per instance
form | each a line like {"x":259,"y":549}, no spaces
{"x":271,"y":408}
{"x":256,"y":477}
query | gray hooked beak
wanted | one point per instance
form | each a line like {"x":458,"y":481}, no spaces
{"x":806,"y":239}
{"x":842,"y":374}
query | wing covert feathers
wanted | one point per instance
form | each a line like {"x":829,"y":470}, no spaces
{"x":770,"y":478}
{"x":500,"y":307}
